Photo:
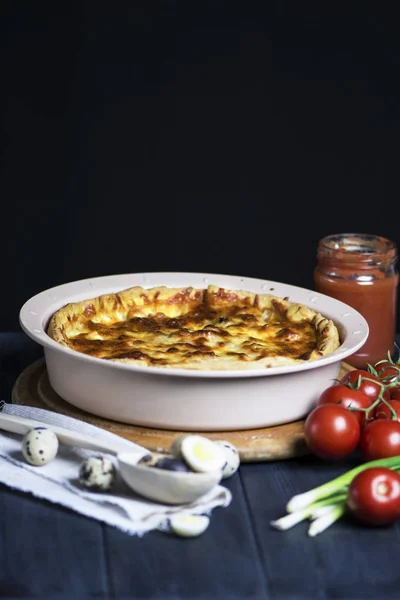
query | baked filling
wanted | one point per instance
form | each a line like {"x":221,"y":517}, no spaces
{"x":212,"y":328}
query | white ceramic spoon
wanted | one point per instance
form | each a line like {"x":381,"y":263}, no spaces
{"x":21,"y":425}
{"x":168,"y":487}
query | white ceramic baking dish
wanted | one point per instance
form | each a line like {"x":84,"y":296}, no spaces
{"x":181,"y":399}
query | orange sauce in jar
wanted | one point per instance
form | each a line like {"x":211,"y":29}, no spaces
{"x":360,"y":270}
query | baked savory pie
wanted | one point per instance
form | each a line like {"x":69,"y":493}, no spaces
{"x":213,"y":328}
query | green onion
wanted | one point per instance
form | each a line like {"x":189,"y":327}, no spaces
{"x":291,"y":519}
{"x":319,"y":511}
{"x":315,"y":508}
{"x":338,"y":485}
{"x":326,"y":503}
{"x":324,"y":521}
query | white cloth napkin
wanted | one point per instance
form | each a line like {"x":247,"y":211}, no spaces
{"x":58,"y":480}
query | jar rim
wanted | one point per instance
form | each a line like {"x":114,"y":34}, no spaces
{"x":357,"y":243}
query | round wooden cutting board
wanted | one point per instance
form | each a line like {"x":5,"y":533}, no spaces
{"x":32,"y":388}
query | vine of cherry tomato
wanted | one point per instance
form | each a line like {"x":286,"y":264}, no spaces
{"x":389,"y":373}
{"x":382,"y":411}
{"x":348,"y":398}
{"x":365,"y":382}
{"x":360,"y":411}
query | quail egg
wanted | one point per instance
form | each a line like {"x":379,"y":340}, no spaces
{"x":166,"y":461}
{"x":189,"y":525}
{"x":39,"y":446}
{"x":202,"y":454}
{"x":98,"y":473}
{"x":175,"y":448}
{"x":232,"y":459}
{"x":149,"y":460}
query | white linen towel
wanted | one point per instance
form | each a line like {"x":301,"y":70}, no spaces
{"x":58,"y":480}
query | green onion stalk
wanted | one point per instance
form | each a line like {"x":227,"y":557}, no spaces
{"x":339,"y":485}
{"x":326,"y":503}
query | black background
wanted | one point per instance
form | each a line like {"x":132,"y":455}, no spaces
{"x":220,"y":137}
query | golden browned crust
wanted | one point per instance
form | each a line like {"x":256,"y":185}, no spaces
{"x":213,"y":328}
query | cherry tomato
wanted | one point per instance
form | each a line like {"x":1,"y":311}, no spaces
{"x":388,"y":372}
{"x":331,"y":431}
{"x":370,"y":384}
{"x":382,"y":411}
{"x":347,"y":397}
{"x":395,"y":395}
{"x":374,"y":496}
{"x":380,"y":439}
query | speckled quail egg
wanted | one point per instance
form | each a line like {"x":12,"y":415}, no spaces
{"x":39,"y":446}
{"x":189,"y":525}
{"x":166,"y":462}
{"x":149,"y":460}
{"x":202,"y":454}
{"x":232,"y":458}
{"x":97,"y":473}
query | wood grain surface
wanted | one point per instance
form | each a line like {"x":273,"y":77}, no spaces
{"x":32,"y":388}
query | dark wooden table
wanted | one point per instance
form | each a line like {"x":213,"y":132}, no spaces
{"x":47,"y":551}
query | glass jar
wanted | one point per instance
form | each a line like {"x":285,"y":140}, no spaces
{"x":361,"y":270}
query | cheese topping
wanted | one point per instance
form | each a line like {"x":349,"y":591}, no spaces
{"x":191,"y":328}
